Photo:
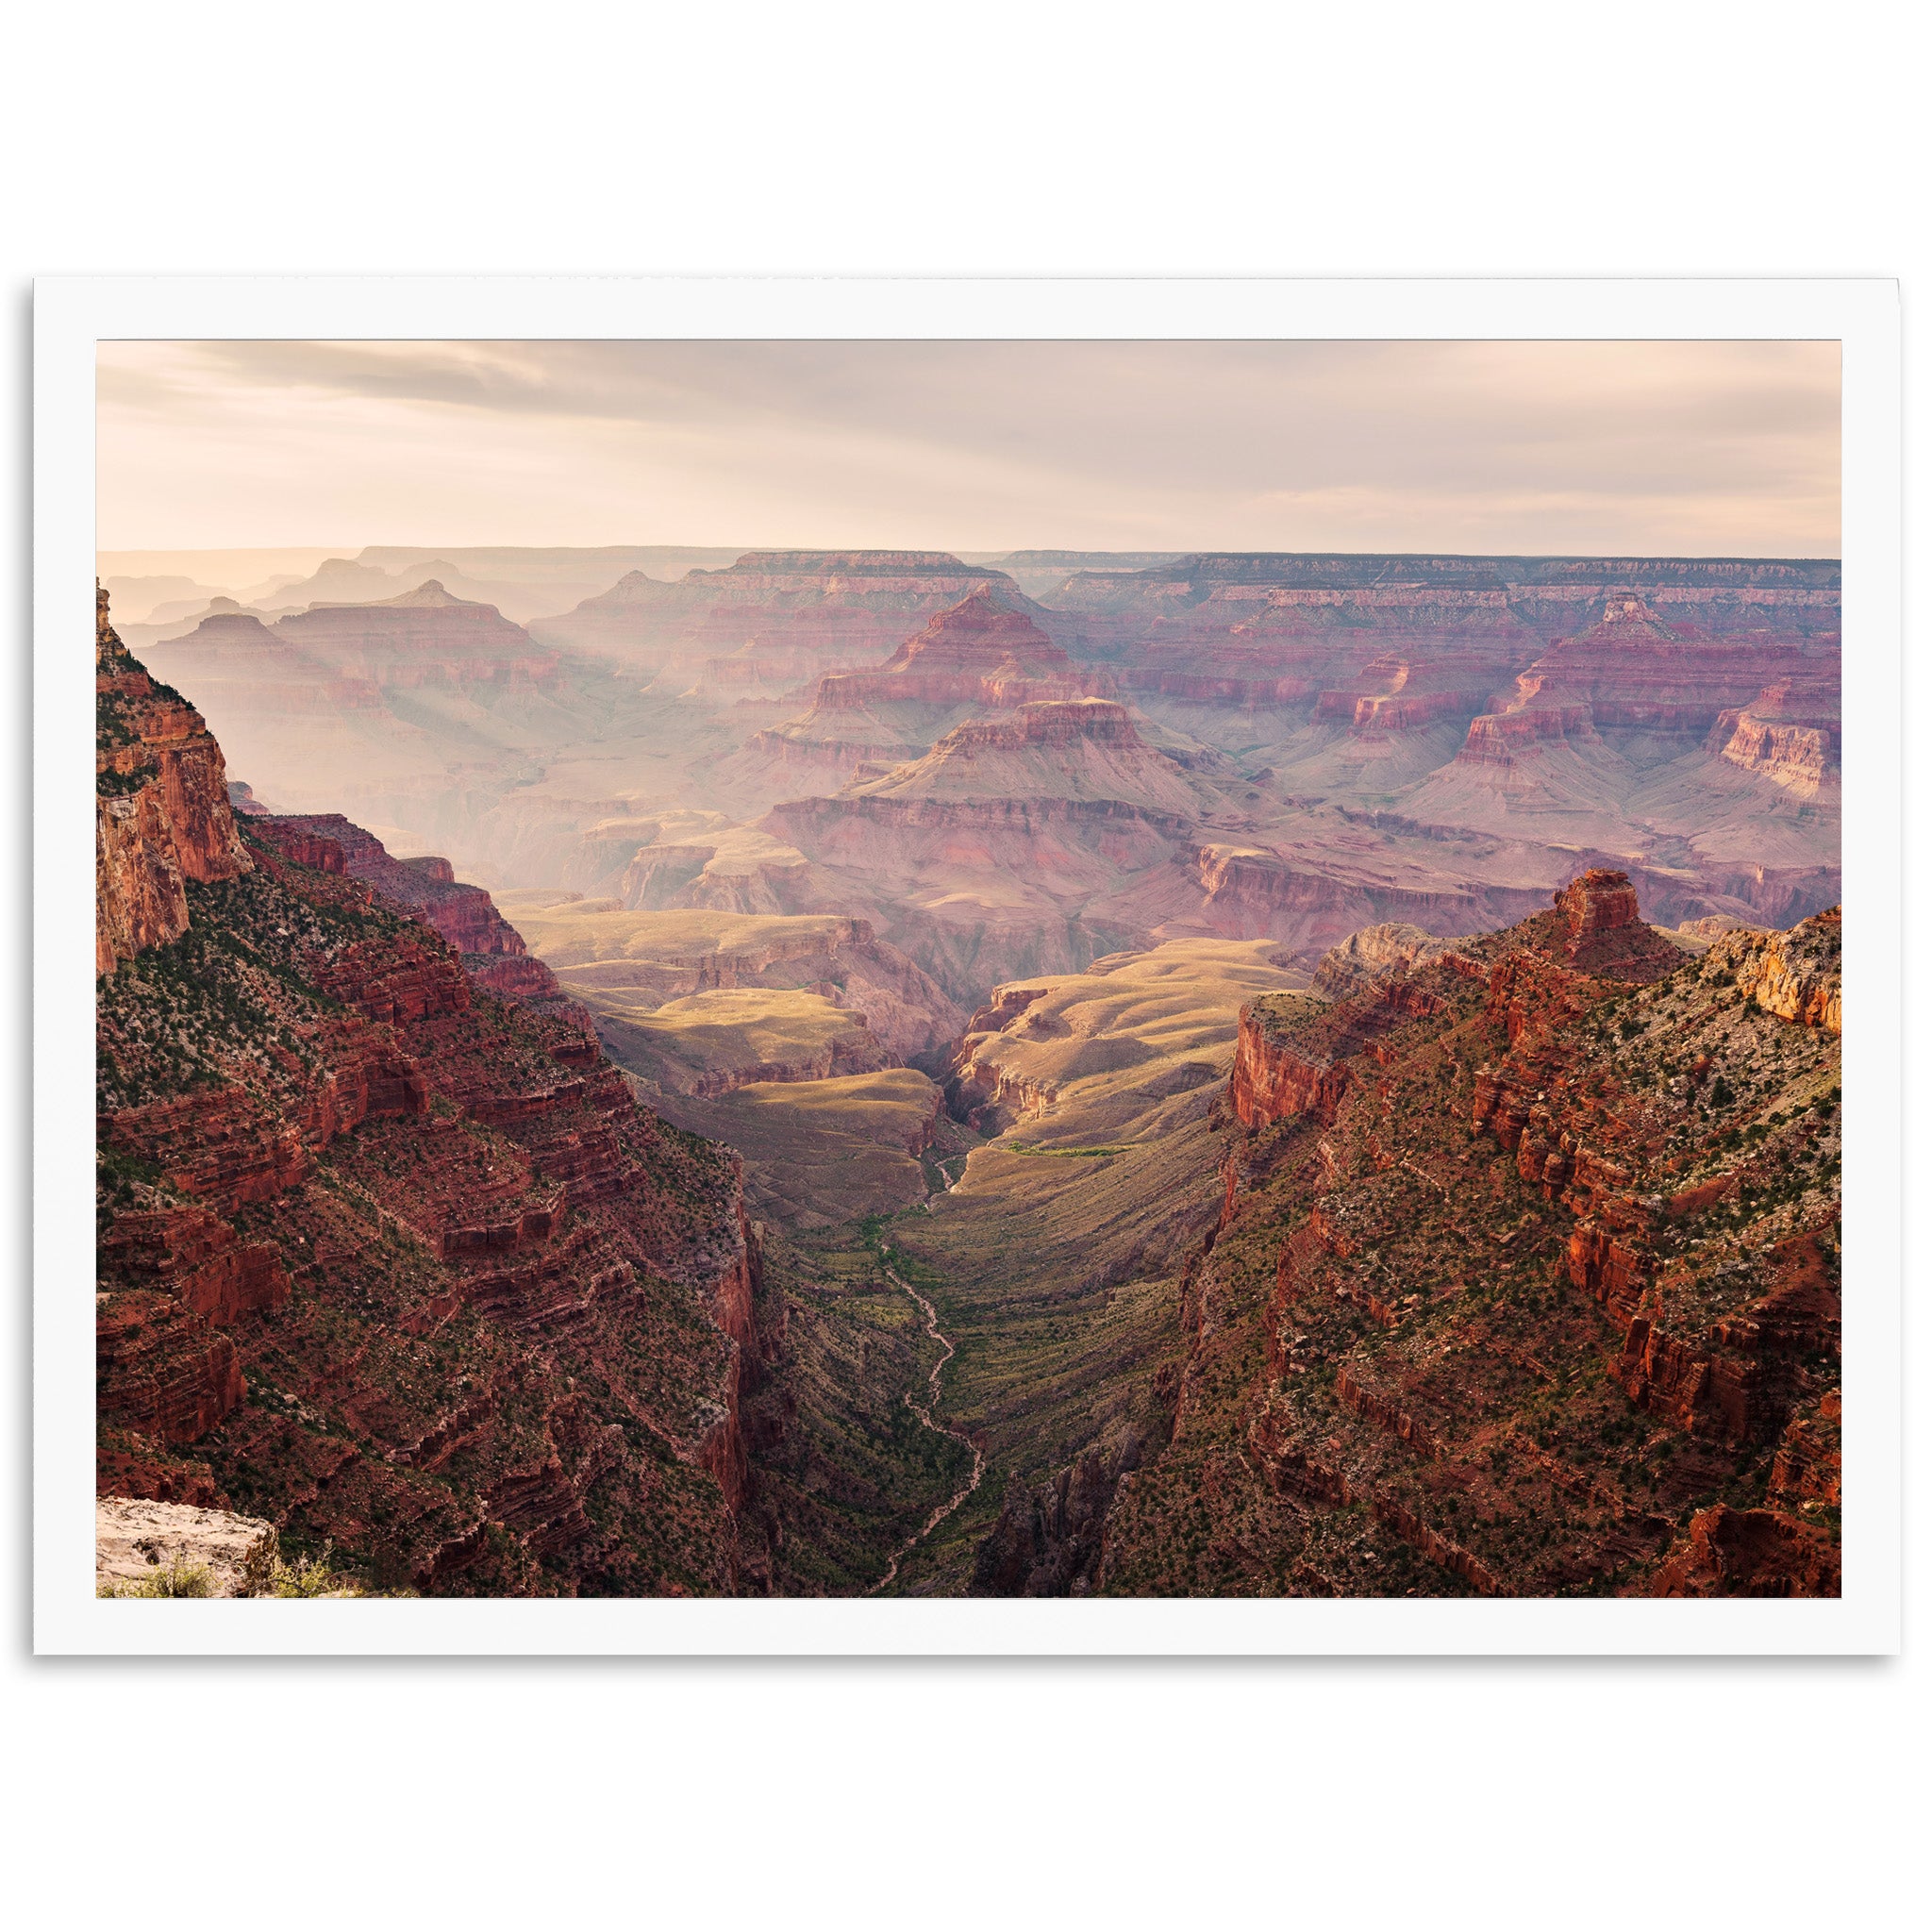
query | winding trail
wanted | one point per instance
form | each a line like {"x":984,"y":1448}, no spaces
{"x":924,"y":1411}
{"x":951,"y":1183}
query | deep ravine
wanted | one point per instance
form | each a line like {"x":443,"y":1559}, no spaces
{"x":925,"y":1412}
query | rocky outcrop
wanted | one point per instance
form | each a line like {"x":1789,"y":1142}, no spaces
{"x":215,"y":1551}
{"x":975,"y":657}
{"x":199,"y":1260}
{"x":162,"y":815}
{"x":423,"y":636}
{"x":980,"y":652}
{"x":1293,"y":1054}
{"x":160,"y":1368}
{"x":1604,"y":933}
{"x":1810,"y":1465}
{"x":1048,"y":1542}
{"x":1085,"y":748}
{"x":427,"y":889}
{"x":1597,"y":902}
{"x":1500,"y":738}
{"x":1382,"y":1322}
{"x":1753,"y":1553}
{"x":1390,"y":949}
{"x":1788,"y":733}
{"x":1796,"y":974}
{"x":1285,"y":1067}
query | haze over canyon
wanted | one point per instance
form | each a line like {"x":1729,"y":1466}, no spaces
{"x":648,"y":1070}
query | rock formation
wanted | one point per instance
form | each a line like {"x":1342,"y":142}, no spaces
{"x":773,"y":618}
{"x":384,"y":1259}
{"x":1390,"y":950}
{"x":424,"y":636}
{"x":136,"y":1540}
{"x":976,"y":657}
{"x":162,"y":814}
{"x":170,"y":1548}
{"x":1788,"y":733}
{"x":619,"y":963}
{"x":1081,"y":748}
{"x":1749,"y":1553}
{"x":1524,"y":1251}
{"x":1438,"y":740}
{"x":426,"y":887}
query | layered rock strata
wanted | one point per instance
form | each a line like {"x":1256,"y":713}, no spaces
{"x":384,"y":1259}
{"x":426,"y":887}
{"x":424,"y":636}
{"x":977,"y":656}
{"x":1524,"y":1251}
{"x":774,"y":619}
{"x":618,"y":961}
{"x":162,"y":815}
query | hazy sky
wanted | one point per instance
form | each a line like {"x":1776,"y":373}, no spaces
{"x":1692,"y":448}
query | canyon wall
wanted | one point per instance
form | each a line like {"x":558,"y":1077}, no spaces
{"x":162,"y":814}
{"x":385,"y":1259}
{"x":1526,"y":1248}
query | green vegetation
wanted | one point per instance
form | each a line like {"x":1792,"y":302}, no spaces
{"x":842,"y":1457}
{"x":173,"y":1579}
{"x":1059,"y":1273}
{"x":308,"y":1577}
{"x":311,"y":1576}
{"x":1060,"y":1153}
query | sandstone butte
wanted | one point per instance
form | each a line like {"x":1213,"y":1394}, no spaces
{"x":980,"y":655}
{"x":773,"y":618}
{"x":1526,"y":1281}
{"x":386,"y":1257}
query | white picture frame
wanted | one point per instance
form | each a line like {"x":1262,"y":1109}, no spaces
{"x":74,"y":315}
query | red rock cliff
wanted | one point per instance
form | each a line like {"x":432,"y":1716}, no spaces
{"x":161,"y":813}
{"x":1529,"y":1356}
{"x":401,"y":1265}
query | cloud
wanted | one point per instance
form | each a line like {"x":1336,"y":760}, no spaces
{"x":1678,"y":447}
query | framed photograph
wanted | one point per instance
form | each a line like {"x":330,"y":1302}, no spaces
{"x":975,"y":967}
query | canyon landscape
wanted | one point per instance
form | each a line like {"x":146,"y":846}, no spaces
{"x":656,"y":1069}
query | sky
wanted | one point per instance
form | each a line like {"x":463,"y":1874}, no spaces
{"x":1674,"y":448}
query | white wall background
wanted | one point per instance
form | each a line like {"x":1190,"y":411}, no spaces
{"x":1690,"y":139}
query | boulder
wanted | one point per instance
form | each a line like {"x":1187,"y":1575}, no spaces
{"x":136,"y":1540}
